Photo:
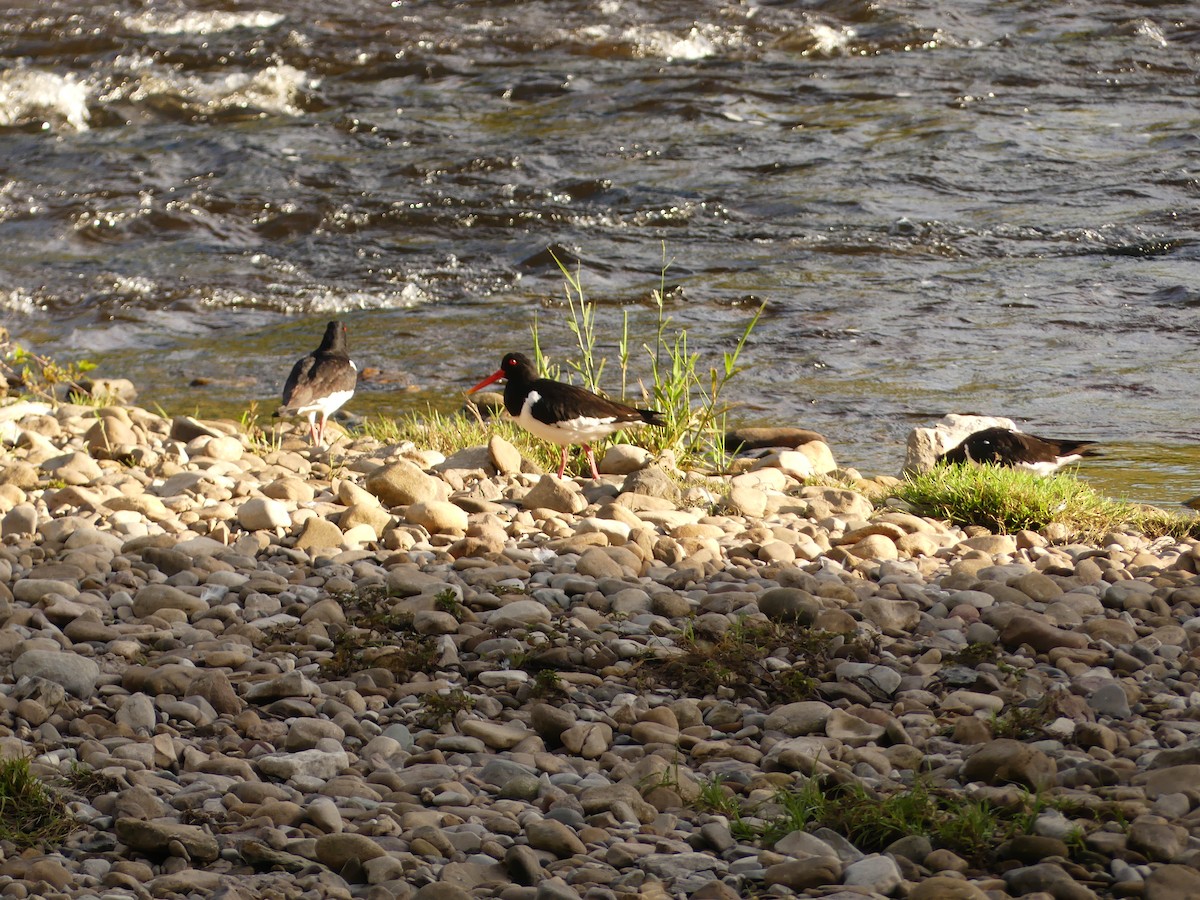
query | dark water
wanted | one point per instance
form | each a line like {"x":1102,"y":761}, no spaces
{"x":946,"y":206}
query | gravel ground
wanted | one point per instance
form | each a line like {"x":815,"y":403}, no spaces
{"x":272,"y":672}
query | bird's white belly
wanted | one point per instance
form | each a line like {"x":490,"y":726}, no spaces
{"x":580,"y":430}
{"x":1047,"y":468}
{"x":326,"y":406}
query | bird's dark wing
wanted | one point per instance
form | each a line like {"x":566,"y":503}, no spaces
{"x":561,"y":402}
{"x":297,"y":390}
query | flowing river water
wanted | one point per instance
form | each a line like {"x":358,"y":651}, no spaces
{"x":945,"y":206}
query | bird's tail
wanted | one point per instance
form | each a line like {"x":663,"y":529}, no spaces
{"x":1083,"y":448}
{"x":652,"y":417}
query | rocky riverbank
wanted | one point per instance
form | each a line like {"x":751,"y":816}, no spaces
{"x":261,"y":672}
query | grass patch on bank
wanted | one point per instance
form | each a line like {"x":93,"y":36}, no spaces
{"x":31,"y":814}
{"x":447,"y":433}
{"x":1007,"y":500}
{"x":971,"y":827}
{"x":736,"y":660}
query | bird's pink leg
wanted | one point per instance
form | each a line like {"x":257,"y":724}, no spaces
{"x":321,"y":431}
{"x":312,"y":428}
{"x":591,"y":458}
{"x":562,"y":466}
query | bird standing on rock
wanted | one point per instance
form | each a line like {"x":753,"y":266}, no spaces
{"x":321,"y":382}
{"x":1017,"y":450}
{"x":562,"y":413}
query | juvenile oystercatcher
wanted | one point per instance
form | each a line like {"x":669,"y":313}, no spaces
{"x":1017,"y":450}
{"x":562,"y":413}
{"x":321,"y":382}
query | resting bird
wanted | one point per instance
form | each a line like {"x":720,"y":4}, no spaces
{"x":1017,"y":450}
{"x":562,"y":413}
{"x":321,"y":382}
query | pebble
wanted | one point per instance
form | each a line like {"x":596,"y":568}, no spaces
{"x":422,"y":676}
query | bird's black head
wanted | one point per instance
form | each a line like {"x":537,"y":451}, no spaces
{"x":335,"y":337}
{"x":515,"y":364}
{"x":515,"y":367}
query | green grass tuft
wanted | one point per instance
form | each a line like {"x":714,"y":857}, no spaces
{"x":436,"y":709}
{"x":971,"y":827}
{"x":689,"y":395}
{"x":1009,"y":500}
{"x":448,"y":433}
{"x":30,"y":814}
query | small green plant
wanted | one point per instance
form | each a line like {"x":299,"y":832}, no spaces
{"x":971,"y":827}
{"x":447,"y":601}
{"x":1008,"y":500}
{"x":973,"y":654}
{"x":546,"y":682}
{"x":690,"y":397}
{"x":264,"y":438}
{"x":374,"y":635}
{"x":436,"y":709}
{"x":30,"y":813}
{"x":735,"y":660}
{"x":40,"y":376}
{"x":716,"y":797}
{"x":89,"y":783}
{"x":1022,"y":722}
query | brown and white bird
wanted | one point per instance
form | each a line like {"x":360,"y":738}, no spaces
{"x":1017,"y":450}
{"x":321,"y":382}
{"x":562,"y":413}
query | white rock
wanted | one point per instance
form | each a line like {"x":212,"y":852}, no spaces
{"x":310,"y":763}
{"x":790,"y":462}
{"x":226,"y":448}
{"x":519,"y":614}
{"x":324,"y":814}
{"x":508,"y":679}
{"x":437,"y":516}
{"x":138,"y":713}
{"x":359,"y":535}
{"x":621,"y":459}
{"x":616,"y":532}
{"x":263,"y":513}
{"x":879,"y":873}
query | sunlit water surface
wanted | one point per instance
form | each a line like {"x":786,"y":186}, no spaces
{"x":944,"y":206}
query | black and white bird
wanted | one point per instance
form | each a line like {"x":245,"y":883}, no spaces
{"x":1017,"y":450}
{"x":321,"y":383}
{"x":562,"y":413}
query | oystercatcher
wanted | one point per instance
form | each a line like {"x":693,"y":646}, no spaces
{"x":321,"y":382}
{"x":1017,"y":450}
{"x":562,"y":413}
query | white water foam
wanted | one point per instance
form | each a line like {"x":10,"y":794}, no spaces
{"x":701,"y":42}
{"x":151,"y":22}
{"x":19,"y":301}
{"x":1147,"y":29}
{"x":31,"y":95}
{"x":274,"y":89}
{"x":827,"y":40}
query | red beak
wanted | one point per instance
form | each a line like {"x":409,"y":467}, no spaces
{"x":489,"y":380}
